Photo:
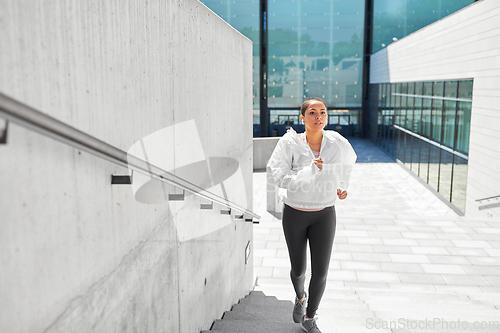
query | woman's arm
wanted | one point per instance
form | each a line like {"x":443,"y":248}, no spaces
{"x":280,"y":165}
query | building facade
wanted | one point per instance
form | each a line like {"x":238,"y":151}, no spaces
{"x":430,"y":106}
{"x":317,"y":48}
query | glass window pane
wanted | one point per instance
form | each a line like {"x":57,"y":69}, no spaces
{"x":408,"y":150}
{"x":409,"y":113}
{"x":465,"y":89}
{"x":459,"y":182}
{"x":402,"y":111}
{"x":437,"y":111}
{"x":415,"y":155}
{"x":393,"y":97}
{"x":445,"y":171}
{"x":450,"y":90}
{"x":397,"y":109}
{"x":426,"y":117}
{"x":434,"y":157}
{"x":449,"y":123}
{"x":401,"y":146}
{"x":463,"y":128}
{"x":427,"y":89}
{"x":424,"y":161}
{"x":315,"y":49}
{"x":417,"y":114}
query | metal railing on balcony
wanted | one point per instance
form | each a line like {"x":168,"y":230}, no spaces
{"x":26,"y":116}
{"x":490,"y":202}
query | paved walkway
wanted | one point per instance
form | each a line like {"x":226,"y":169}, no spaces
{"x":403,"y":261}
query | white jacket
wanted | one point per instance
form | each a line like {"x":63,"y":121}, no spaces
{"x":301,"y":183}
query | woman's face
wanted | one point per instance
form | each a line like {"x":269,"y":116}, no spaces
{"x":315,"y":117}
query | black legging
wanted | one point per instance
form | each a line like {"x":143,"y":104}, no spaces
{"x":319,"y":228}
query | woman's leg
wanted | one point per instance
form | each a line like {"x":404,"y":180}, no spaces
{"x":321,"y":233}
{"x":295,"y":229}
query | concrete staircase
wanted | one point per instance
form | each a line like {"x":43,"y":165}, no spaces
{"x":369,"y":309}
{"x":258,"y":313}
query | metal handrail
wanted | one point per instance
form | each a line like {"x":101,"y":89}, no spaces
{"x":31,"y":118}
{"x":494,"y":197}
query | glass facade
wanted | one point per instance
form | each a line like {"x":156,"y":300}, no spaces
{"x":426,"y":126}
{"x":344,"y":121}
{"x":399,"y":18}
{"x":315,"y":48}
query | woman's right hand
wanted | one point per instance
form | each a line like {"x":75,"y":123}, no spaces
{"x":319,"y":163}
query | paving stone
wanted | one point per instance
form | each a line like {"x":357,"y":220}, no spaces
{"x":354,"y":248}
{"x":359,"y":265}
{"x":489,"y":230}
{"x":257,"y":261}
{"x":359,"y":227}
{"x":269,"y":237}
{"x":493,"y":261}
{"x":443,"y":269}
{"x":282,"y":253}
{"x":468,"y":251}
{"x":421,"y":278}
{"x":276,"y":262}
{"x":400,"y":241}
{"x":263,"y":271}
{"x":392,"y":249}
{"x":259,"y":252}
{"x":262,"y":230}
{"x":392,"y":228}
{"x":352,"y":233}
{"x":449,"y":259}
{"x":424,"y":229}
{"x":412,"y":287}
{"x":428,"y":250}
{"x":379,"y":221}
{"x":384,"y":234}
{"x":401,"y":267}
{"x":276,"y":245}
{"x":482,"y":270}
{"x":453,"y":236}
{"x":364,"y":240}
{"x":441,"y":223}
{"x":457,"y":230}
{"x":337,"y":255}
{"x":466,"y":280}
{"x":413,"y":258}
{"x":341,"y":240}
{"x":342,"y":275}
{"x":378,"y":276}
{"x":362,"y":285}
{"x":472,"y":244}
{"x":494,"y":281}
{"x":435,"y":242}
{"x":460,"y":290}
{"x":377,"y":257}
{"x":493,"y":252}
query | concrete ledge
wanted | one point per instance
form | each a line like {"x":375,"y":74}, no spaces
{"x":262,"y":150}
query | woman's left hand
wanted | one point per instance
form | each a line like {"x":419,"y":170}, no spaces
{"x":341,"y":194}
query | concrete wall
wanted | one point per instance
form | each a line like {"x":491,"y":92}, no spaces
{"x":78,"y":254}
{"x":463,"y":45}
{"x":262,"y":150}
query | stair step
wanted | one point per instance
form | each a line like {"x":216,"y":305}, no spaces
{"x":276,"y":316}
{"x":250,"y":326}
{"x":264,"y":308}
{"x":271,"y":300}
